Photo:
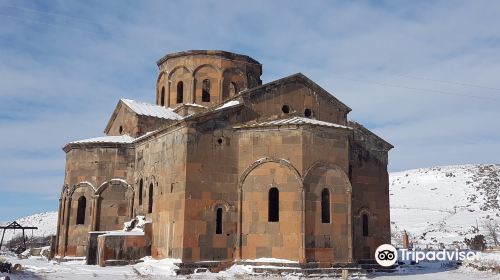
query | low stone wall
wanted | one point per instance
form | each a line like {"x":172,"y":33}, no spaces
{"x":121,"y":247}
{"x":92,"y":246}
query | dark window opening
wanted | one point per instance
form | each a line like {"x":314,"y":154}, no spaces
{"x":285,"y":109}
{"x":325,"y":206}
{"x":120,"y":129}
{"x":80,"y":213}
{"x":140,"y":192}
{"x":150,"y":202}
{"x":233,"y":89}
{"x":205,"y":91}
{"x":365,"y":225}
{"x":162,"y":97}
{"x":218,"y":221}
{"x":180,"y":92}
{"x":307,"y":113}
{"x":220,"y":141}
{"x":274,"y":205}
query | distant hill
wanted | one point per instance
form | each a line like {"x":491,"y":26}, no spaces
{"x":444,"y":204}
{"x":46,"y":223}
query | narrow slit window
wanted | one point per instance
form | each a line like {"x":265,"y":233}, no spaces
{"x":205,"y":91}
{"x":80,"y":213}
{"x":162,"y":97}
{"x":141,"y":183}
{"x":218,"y":221}
{"x":150,"y":202}
{"x":274,"y":205}
{"x":325,"y":206}
{"x":365,"y":225}
{"x":180,"y":92}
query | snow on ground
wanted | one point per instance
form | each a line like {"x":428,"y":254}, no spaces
{"x":442,"y":204}
{"x":46,"y":223}
{"x":40,"y":268}
{"x":270,"y":260}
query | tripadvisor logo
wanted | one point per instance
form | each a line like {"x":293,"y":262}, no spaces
{"x":386,"y":255}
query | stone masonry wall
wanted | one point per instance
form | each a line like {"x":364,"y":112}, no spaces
{"x":298,"y":97}
{"x":192,"y":69}
{"x":370,"y":182}
{"x":161,"y":163}
{"x":90,"y":171}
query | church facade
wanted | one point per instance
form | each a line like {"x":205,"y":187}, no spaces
{"x":227,"y":168}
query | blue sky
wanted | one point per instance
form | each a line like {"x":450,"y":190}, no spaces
{"x":422,"y":74}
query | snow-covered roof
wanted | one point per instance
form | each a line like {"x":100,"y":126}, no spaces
{"x":194,"y":105}
{"x":293,"y":121}
{"x":152,"y":110}
{"x":106,"y":139}
{"x":120,"y":139}
{"x":231,"y":103}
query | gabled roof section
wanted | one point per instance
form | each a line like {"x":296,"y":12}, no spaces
{"x":151,"y":110}
{"x":293,"y":121}
{"x":298,"y":77}
{"x":143,"y":109}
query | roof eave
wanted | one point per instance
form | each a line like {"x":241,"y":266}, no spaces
{"x":249,"y":127}
{"x":357,"y":126}
{"x":70,"y":146}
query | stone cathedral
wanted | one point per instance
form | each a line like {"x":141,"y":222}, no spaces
{"x":225,"y":169}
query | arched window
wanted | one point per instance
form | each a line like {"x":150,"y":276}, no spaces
{"x":285,"y":109}
{"x":141,"y":183}
{"x":233,"y":89}
{"x":162,"y":97}
{"x":180,"y":92}
{"x":274,"y":205}
{"x":325,"y":206}
{"x":307,"y":113}
{"x":80,"y":213}
{"x":205,"y":91}
{"x":365,"y":225}
{"x":150,"y":202}
{"x":218,"y":221}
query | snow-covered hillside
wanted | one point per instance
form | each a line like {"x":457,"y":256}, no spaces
{"x":444,"y":204}
{"x":46,"y":223}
